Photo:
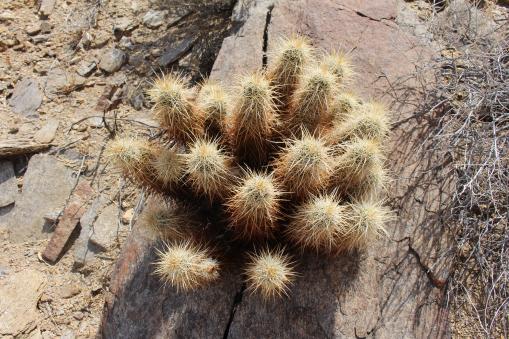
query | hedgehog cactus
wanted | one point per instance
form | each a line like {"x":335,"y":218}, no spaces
{"x":288,"y":159}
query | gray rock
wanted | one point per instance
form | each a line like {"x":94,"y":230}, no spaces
{"x":33,"y":30}
{"x":45,"y":27}
{"x":105,"y":228}
{"x":154,"y":19}
{"x":124,"y":25}
{"x":47,"y":133}
{"x":46,"y":7}
{"x":83,"y":251}
{"x":56,"y":80}
{"x":8,"y":185}
{"x":26,"y":97}
{"x":112,"y":60}
{"x":137,"y":101}
{"x":126,"y":42}
{"x":86,"y":68}
{"x":172,"y":54}
{"x":46,"y":186}
{"x":40,"y":38}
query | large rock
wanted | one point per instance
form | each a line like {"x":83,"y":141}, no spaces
{"x":46,"y":186}
{"x":393,"y":290}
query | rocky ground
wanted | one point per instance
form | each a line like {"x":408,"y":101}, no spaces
{"x":73,"y":75}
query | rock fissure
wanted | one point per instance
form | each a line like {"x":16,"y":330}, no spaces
{"x":364,"y":15}
{"x":236,"y":301}
{"x":266,"y":36}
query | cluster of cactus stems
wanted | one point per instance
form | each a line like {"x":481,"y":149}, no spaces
{"x":287,"y":160}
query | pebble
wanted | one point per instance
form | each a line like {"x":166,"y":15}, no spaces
{"x":33,"y":30}
{"x":78,"y":315}
{"x":69,"y":291}
{"x":127,"y":216}
{"x":46,"y":7}
{"x":126,"y":42}
{"x":123,"y":25}
{"x":154,"y":19}
{"x":112,"y":60}
{"x":86,"y":68}
{"x":7,"y":16}
{"x":47,"y":133}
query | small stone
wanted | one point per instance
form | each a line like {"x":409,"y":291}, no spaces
{"x":47,"y":133}
{"x":80,"y":127}
{"x":51,"y":217}
{"x":45,"y":27}
{"x":45,"y":298}
{"x":26,"y":97}
{"x":126,"y":42}
{"x":48,"y":335}
{"x":137,"y":101}
{"x":69,"y":334}
{"x":100,"y":41}
{"x":40,"y":38}
{"x":112,"y":60}
{"x":13,"y":130}
{"x":86,"y":68}
{"x":10,"y":42}
{"x":154,"y":19}
{"x":57,"y":82}
{"x":46,"y":7}
{"x":127,"y":216}
{"x":96,"y":122}
{"x":3,"y":272}
{"x":172,"y":54}
{"x":69,"y":291}
{"x":33,"y":30}
{"x":78,"y":315}
{"x":123,"y":25}
{"x":7,"y":16}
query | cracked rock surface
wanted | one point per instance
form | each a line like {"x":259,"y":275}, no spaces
{"x":393,"y":290}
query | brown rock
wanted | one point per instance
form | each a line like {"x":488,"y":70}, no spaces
{"x":70,"y":218}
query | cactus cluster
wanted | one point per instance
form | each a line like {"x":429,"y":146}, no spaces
{"x":289,"y":159}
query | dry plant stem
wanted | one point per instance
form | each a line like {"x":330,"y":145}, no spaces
{"x":464,"y":111}
{"x":253,"y":120}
